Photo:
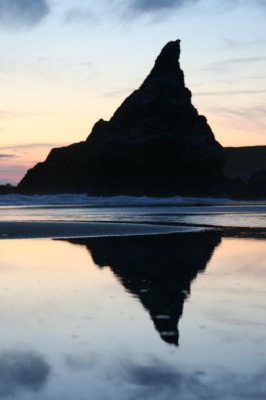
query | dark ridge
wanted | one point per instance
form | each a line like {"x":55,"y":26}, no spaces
{"x":244,"y":161}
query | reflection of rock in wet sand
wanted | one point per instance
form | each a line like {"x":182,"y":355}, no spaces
{"x":158,"y":270}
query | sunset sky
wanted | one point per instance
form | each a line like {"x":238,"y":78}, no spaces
{"x":64,"y":64}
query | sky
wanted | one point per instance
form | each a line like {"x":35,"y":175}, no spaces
{"x":64,"y":64}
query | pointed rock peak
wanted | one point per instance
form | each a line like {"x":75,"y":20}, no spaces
{"x":154,"y":144}
{"x":168,"y":60}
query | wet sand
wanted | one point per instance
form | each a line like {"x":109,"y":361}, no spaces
{"x":68,"y":230}
{"x":30,"y":230}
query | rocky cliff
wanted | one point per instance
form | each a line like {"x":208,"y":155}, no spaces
{"x":156,"y":143}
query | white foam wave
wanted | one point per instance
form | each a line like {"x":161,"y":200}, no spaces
{"x":67,"y":199}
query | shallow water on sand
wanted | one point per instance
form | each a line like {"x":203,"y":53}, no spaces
{"x":163,"y":317}
{"x":248,"y":215}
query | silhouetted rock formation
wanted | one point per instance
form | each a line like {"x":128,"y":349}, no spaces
{"x":257,"y":184}
{"x":243,"y":162}
{"x":158,"y":270}
{"x":155,"y":144}
{"x":247,"y":166}
{"x":8,"y":189}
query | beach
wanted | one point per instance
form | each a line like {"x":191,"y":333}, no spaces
{"x":82,"y":216}
{"x":132,"y":302}
{"x":132,"y":200}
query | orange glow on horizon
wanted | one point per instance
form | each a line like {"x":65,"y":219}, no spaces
{"x":71,"y":115}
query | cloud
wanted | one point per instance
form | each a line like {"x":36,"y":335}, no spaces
{"x":232,"y":43}
{"x":234,"y":62}
{"x":240,"y":117}
{"x":80,"y":16}
{"x":156,"y":9}
{"x":22,"y":13}
{"x":6,"y":114}
{"x":261,"y":3}
{"x":21,"y":371}
{"x":243,"y":60}
{"x":18,"y":158}
{"x":117,"y":9}
{"x":5,"y":156}
{"x":227,"y":5}
{"x":257,"y":112}
{"x":231,"y":92}
{"x":140,"y":6}
{"x":12,"y":173}
{"x":30,"y":146}
{"x":15,"y":114}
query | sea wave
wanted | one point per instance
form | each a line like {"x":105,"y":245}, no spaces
{"x":67,"y":199}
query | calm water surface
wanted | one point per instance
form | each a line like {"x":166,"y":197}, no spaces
{"x":164,"y":317}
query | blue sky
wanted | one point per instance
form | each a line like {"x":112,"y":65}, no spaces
{"x":64,"y":64}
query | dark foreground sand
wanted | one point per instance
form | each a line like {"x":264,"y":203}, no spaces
{"x":30,"y":230}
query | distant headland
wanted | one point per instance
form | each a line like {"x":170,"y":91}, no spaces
{"x":155,"y":144}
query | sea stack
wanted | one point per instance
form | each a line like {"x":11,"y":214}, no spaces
{"x":156,"y":143}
